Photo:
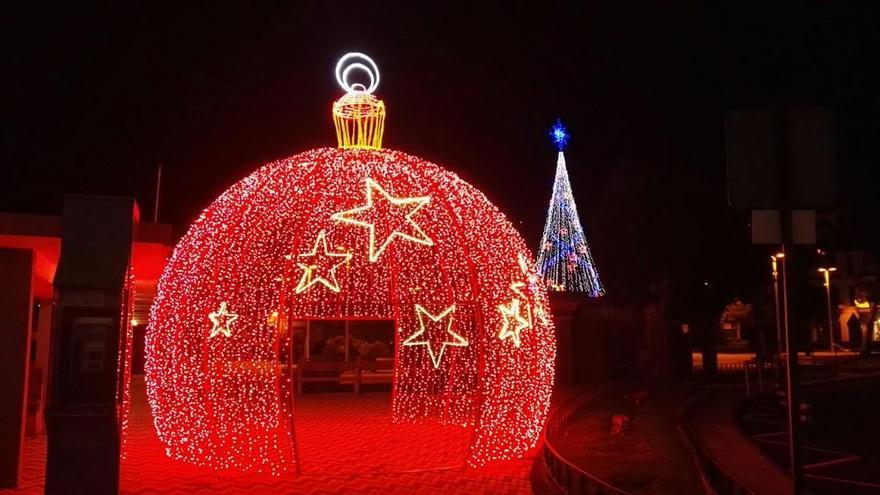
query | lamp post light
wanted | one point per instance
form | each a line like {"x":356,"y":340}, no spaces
{"x":826,"y":272}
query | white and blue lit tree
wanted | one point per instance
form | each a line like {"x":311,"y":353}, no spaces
{"x":564,"y":258}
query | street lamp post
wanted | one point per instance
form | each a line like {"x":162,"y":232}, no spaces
{"x":791,"y":382}
{"x":774,"y":260}
{"x":826,"y":272}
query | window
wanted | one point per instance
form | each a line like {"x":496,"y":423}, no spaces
{"x":371,"y":339}
{"x":326,"y":340}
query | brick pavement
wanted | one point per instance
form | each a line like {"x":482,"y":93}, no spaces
{"x":348,"y":445}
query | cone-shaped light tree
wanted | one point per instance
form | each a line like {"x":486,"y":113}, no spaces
{"x":564,"y":258}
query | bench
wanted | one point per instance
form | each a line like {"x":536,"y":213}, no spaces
{"x":357,"y":373}
{"x":369,"y":372}
{"x":321,"y":372}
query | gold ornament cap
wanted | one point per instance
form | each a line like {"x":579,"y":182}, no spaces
{"x":359,"y":117}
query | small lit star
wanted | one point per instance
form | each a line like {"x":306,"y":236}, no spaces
{"x":317,"y":262}
{"x":508,"y":330}
{"x":560,"y":135}
{"x":222,"y":320}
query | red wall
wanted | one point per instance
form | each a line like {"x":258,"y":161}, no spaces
{"x":15,"y":322}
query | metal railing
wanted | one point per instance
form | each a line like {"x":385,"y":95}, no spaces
{"x":737,"y":367}
{"x":716,"y":479}
{"x":569,"y":477}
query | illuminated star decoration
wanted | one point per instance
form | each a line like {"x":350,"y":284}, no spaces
{"x":508,"y":313}
{"x":517,"y":287}
{"x":523,"y":263}
{"x":512,"y":310}
{"x":386,"y":206}
{"x":560,"y":135}
{"x":222,"y":319}
{"x":432,"y":320}
{"x":315,"y":263}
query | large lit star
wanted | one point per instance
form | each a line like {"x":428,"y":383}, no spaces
{"x":222,"y":319}
{"x":317,"y":263}
{"x":443,"y":320}
{"x":512,"y":322}
{"x":392,"y":217}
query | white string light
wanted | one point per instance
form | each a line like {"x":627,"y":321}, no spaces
{"x":346,"y":65}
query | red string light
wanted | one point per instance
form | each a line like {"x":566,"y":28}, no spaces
{"x":123,"y":360}
{"x":435,"y":243}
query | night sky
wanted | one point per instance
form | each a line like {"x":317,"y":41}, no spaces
{"x":95,"y":97}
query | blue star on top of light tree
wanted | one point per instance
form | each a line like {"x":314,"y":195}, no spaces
{"x":560,"y":135}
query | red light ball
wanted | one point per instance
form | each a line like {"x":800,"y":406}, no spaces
{"x":220,"y":396}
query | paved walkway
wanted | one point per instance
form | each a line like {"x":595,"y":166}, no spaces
{"x":348,"y":446}
{"x":714,"y":422}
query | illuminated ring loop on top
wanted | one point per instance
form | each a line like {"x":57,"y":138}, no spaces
{"x":370,"y":68}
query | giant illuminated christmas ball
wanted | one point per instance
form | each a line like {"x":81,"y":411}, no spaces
{"x":356,"y":232}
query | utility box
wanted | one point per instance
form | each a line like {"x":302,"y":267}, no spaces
{"x":90,"y":347}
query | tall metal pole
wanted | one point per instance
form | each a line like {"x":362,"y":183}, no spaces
{"x":773,"y":264}
{"x":827,"y":273}
{"x":156,"y":203}
{"x":791,"y":375}
{"x":791,"y":368}
{"x":784,"y":299}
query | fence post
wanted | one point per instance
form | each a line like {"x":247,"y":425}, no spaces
{"x":760,"y":377}
{"x":746,"y":370}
